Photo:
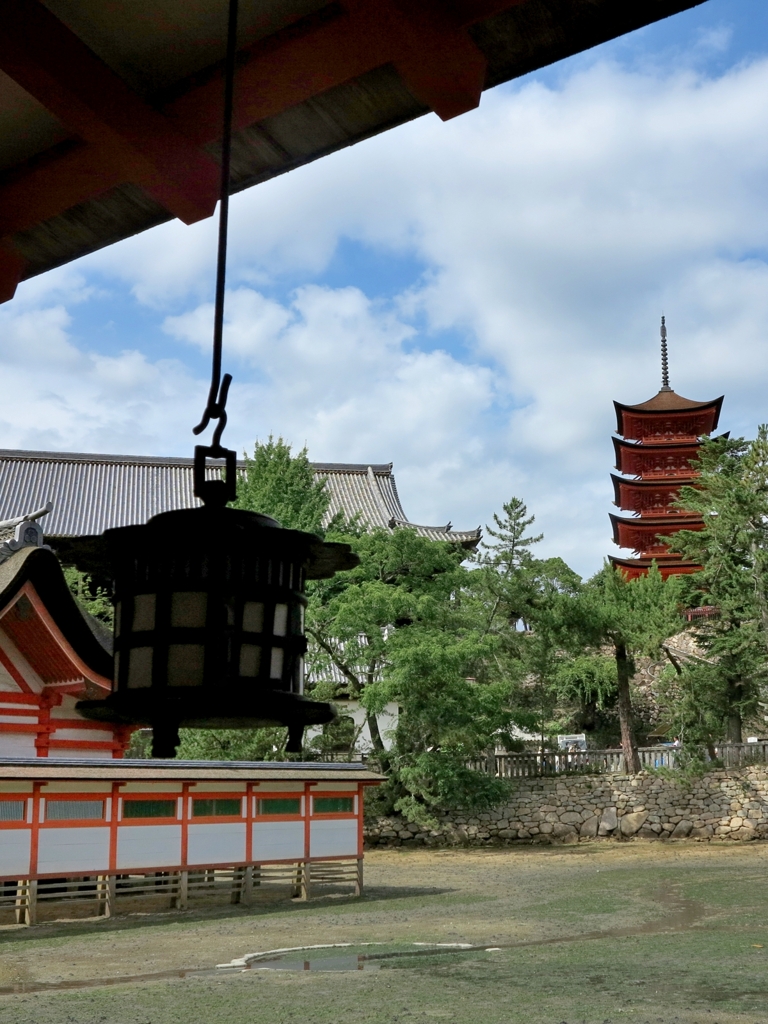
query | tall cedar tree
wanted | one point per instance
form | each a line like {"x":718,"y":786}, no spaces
{"x":731,"y":494}
{"x":519,"y":598}
{"x":634,"y":617}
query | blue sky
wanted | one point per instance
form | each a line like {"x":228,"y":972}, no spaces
{"x":463,"y":299}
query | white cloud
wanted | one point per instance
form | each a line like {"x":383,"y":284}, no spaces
{"x":555,"y":226}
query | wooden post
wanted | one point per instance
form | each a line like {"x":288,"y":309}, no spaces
{"x":26,"y":902}
{"x":181,"y":899}
{"x":105,"y":894}
{"x":237,"y":885}
{"x":305,"y":874}
{"x":359,"y":878}
{"x":246,"y":888}
{"x":22,"y":889}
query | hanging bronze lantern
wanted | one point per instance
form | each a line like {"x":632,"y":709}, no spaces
{"x":209,"y":619}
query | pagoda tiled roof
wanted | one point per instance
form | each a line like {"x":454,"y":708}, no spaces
{"x":670,"y":484}
{"x":671,"y":566}
{"x":665,"y":402}
{"x":664,"y":523}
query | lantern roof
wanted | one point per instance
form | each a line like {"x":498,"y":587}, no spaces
{"x":95,"y":554}
{"x":111,"y":111}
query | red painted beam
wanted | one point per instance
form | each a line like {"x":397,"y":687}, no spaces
{"x":49,"y":61}
{"x":124,"y":139}
{"x":425,"y":41}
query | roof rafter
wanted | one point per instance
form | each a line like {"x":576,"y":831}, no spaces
{"x":49,"y":61}
{"x":123,"y":138}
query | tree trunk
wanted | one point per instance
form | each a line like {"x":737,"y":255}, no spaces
{"x":733,"y":728}
{"x":628,"y":742}
{"x":733,"y":721}
{"x":378,"y":743}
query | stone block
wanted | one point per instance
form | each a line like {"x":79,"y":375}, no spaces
{"x":745,"y":832}
{"x":608,"y":821}
{"x":682,"y":829}
{"x":645,"y":832}
{"x":630,"y":823}
{"x":571,"y":818}
{"x":545,"y":828}
{"x":705,"y":832}
{"x":589,"y":827}
{"x":560,"y":831}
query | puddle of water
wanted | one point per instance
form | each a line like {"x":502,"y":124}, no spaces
{"x":326,"y":963}
{"x":685,"y":913}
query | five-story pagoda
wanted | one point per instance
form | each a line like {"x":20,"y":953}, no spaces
{"x":656,"y":448}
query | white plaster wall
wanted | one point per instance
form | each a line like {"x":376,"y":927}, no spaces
{"x":387,"y":720}
{"x":72,"y":752}
{"x":216,"y":844}
{"x":14,"y":851}
{"x":19,"y":745}
{"x":333,"y":837}
{"x":148,"y":846}
{"x":278,"y":840}
{"x":73,"y":850}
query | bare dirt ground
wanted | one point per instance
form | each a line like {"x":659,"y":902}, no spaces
{"x":603,"y":932}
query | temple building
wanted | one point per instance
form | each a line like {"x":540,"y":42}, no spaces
{"x":656,"y":451}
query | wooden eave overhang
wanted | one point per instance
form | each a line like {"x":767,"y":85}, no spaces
{"x":625,"y":450}
{"x":672,"y":566}
{"x":652,"y":526}
{"x":670,"y":406}
{"x":203,"y":771}
{"x":669,"y":485}
{"x":112,"y":112}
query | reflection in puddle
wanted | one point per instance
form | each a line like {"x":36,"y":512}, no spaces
{"x":325,"y":963}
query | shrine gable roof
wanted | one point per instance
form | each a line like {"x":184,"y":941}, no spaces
{"x":33,"y":577}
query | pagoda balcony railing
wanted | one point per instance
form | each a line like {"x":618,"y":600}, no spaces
{"x":596,"y":762}
{"x":678,"y":475}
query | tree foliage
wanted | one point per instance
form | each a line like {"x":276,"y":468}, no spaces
{"x":724,"y":685}
{"x":282,"y":485}
{"x":93,"y":599}
{"x":633,"y":618}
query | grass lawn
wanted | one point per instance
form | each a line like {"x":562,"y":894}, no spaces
{"x":598,"y":933}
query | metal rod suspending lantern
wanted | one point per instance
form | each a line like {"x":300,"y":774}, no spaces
{"x":209,"y":602}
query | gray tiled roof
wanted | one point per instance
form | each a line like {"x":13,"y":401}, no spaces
{"x":91,"y":493}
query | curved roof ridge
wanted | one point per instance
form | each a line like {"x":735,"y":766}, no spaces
{"x":669,"y":401}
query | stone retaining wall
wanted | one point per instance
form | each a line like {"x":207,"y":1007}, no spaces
{"x":730,"y":804}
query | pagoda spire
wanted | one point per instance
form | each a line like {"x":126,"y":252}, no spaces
{"x":664,"y":359}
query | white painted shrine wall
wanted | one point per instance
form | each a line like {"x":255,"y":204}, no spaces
{"x":51,"y":828}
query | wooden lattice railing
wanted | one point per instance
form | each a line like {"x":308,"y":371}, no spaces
{"x":557,"y":762}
